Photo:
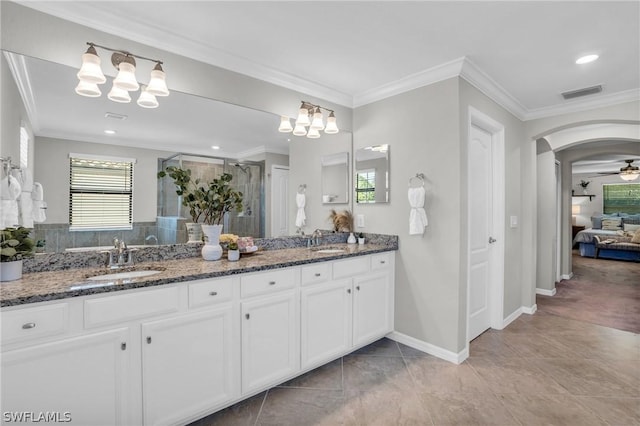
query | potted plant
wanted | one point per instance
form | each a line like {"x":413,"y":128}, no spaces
{"x":209,"y":202}
{"x":187,"y":189}
{"x":15,"y":245}
{"x":584,"y":184}
{"x":234,"y":253}
{"x":360,"y":238}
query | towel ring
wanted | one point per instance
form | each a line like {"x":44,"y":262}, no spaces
{"x":418,"y":176}
{"x":302,"y":188}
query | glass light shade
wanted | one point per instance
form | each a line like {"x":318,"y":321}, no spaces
{"x":157,"y":84}
{"x":317,"y":120}
{"x":90,"y":70}
{"x":126,"y":78}
{"x":299,"y":130}
{"x":332,"y":127}
{"x":90,"y":90}
{"x":285,"y":125}
{"x":313,"y":133}
{"x":147,"y":100}
{"x":118,"y":95}
{"x":629,"y":176}
{"x":303,"y":117}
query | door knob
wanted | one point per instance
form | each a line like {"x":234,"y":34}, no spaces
{"x":492,"y":240}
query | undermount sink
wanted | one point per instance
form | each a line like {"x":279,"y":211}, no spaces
{"x":123,"y":275}
{"x":330,"y":250}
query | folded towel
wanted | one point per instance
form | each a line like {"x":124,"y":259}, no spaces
{"x":38,"y":193}
{"x":39,"y":211}
{"x":23,"y":175}
{"x":9,"y":216}
{"x":417,"y":217}
{"x":300,"y":216}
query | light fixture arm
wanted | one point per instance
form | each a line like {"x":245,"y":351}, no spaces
{"x":124,"y":53}
{"x":311,"y":107}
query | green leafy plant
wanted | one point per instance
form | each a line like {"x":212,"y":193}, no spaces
{"x":233,"y":246}
{"x":15,"y":244}
{"x":207,"y":201}
{"x":360,"y":235}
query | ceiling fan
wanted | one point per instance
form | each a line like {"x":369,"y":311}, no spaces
{"x":627,"y":173}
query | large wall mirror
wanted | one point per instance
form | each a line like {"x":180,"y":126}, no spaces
{"x":64,"y":122}
{"x":335,"y":178}
{"x":371,"y":179}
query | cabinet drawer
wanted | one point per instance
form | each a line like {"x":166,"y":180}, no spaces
{"x":209,"y":292}
{"x":266,"y":282}
{"x":32,"y":323}
{"x":351,"y":267}
{"x":126,"y":307}
{"x":380,"y":261}
{"x":316,"y":273}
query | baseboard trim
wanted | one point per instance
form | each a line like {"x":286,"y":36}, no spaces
{"x":567,"y":276}
{"x":545,"y":292}
{"x":511,"y":318}
{"x":531,"y":310}
{"x":437,"y":351}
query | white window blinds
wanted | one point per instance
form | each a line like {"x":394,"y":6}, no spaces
{"x":101,"y":193}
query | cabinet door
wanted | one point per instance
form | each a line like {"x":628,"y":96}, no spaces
{"x":371,"y":307}
{"x":187,"y":365}
{"x":270,"y":345}
{"x":79,"y":381}
{"x":326,"y":322}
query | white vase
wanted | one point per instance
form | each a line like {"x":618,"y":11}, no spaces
{"x":11,"y":271}
{"x":211,"y":249}
{"x":351,"y":239}
{"x":194,"y":232}
{"x":233,"y":255}
{"x":361,"y":241}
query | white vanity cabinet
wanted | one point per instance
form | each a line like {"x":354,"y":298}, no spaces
{"x":81,"y":380}
{"x":270,"y":344}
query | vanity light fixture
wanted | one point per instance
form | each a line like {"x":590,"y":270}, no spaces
{"x":310,"y":115}
{"x":90,"y":76}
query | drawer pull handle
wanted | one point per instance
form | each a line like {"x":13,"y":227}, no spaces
{"x":123,"y":346}
{"x":382,"y":261}
{"x":272,"y":283}
{"x":349,"y":290}
{"x":318,"y":274}
{"x":247,"y":316}
{"x":148,"y":340}
{"x":28,"y":325}
{"x":213,"y":293}
{"x":358,"y":287}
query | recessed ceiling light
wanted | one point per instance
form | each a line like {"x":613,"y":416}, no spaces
{"x":586,"y":59}
{"x":110,"y":132}
{"x":215,"y":147}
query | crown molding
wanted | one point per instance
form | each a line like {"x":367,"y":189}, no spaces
{"x":142,"y":31}
{"x":410,"y":82}
{"x":601,"y":101}
{"x":18,"y":67}
{"x":481,"y":81}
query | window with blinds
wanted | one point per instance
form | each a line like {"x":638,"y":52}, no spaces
{"x":101,"y":193}
{"x":621,"y":198}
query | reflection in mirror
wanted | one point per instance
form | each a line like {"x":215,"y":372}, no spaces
{"x":335,"y":178}
{"x":372,"y":174}
{"x":63,"y":122}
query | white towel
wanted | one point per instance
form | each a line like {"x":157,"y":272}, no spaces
{"x":418,"y":217}
{"x":25,"y":202}
{"x":301,"y":218}
{"x":9,"y":192}
{"x":39,"y":206}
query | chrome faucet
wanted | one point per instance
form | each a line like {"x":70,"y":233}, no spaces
{"x":152,"y":237}
{"x":124,"y":255}
{"x":316,"y":238}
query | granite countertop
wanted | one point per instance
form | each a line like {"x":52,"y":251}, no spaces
{"x":54,"y":285}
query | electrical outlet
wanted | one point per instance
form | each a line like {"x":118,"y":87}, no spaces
{"x":360,"y":221}
{"x":514,"y":221}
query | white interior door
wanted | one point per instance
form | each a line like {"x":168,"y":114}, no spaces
{"x":279,"y":201}
{"x":481,"y":237}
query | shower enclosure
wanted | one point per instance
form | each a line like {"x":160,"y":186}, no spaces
{"x":247,"y":178}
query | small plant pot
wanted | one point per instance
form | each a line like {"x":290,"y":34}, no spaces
{"x":361,"y":241}
{"x":233,"y":255}
{"x":10,"y":271}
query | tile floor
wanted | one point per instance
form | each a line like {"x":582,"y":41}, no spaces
{"x":541,"y":370}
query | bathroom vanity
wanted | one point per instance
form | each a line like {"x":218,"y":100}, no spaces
{"x":192,"y":339}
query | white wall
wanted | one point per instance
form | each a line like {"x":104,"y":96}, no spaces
{"x":547,"y":219}
{"x":52,"y":170}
